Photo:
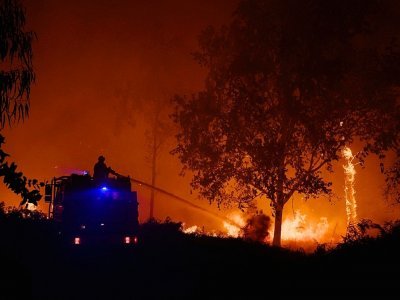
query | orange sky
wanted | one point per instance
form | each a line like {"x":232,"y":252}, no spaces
{"x":97,"y":63}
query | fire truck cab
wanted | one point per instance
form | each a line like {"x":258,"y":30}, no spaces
{"x":87,"y":211}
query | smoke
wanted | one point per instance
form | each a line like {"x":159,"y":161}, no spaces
{"x":102,"y":67}
{"x":257,"y":227}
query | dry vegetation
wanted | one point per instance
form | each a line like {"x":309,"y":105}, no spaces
{"x":169,"y":264}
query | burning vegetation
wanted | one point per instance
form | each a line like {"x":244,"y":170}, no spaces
{"x":298,"y":232}
{"x":349,"y":190}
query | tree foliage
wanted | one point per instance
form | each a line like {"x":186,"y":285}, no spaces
{"x":289,"y":84}
{"x":28,"y":189}
{"x":16,"y":77}
{"x":16,"y":73}
{"x":392,"y":189}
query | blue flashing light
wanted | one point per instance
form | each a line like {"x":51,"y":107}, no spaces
{"x":104,"y":188}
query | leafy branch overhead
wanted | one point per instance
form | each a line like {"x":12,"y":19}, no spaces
{"x":16,"y":73}
{"x":16,"y":77}
{"x":16,"y":182}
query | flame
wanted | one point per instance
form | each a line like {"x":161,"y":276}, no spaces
{"x":31,"y":207}
{"x":297,"y":232}
{"x":349,"y":191}
{"x":233,"y":230}
{"x":296,"y":229}
{"x":299,"y":228}
{"x":191,"y":229}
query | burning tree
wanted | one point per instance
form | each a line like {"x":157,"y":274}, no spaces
{"x":350,"y":173}
{"x":289,"y":84}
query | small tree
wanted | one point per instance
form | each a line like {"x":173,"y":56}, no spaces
{"x":150,"y":100}
{"x":289,"y":84}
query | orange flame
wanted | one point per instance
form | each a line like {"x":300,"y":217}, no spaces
{"x":191,"y":229}
{"x":233,"y":230}
{"x":349,"y":191}
{"x":299,"y":228}
{"x":297,"y":231}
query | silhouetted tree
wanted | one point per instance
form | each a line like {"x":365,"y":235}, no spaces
{"x":16,"y":77}
{"x":289,"y":84}
{"x":392,"y":189}
{"x":17,"y":182}
{"x":156,"y":138}
{"x":151,"y":101}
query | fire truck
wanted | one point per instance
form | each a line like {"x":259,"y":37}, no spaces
{"x":88,"y":211}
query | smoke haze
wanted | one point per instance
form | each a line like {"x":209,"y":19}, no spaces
{"x":103,"y":68}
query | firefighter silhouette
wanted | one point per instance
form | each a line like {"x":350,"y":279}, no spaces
{"x":101,"y":171}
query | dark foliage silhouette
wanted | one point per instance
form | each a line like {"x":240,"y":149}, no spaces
{"x":28,"y":189}
{"x":16,"y":77}
{"x":16,"y":73}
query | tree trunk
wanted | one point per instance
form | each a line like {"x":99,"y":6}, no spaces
{"x":278,"y":205}
{"x":153,"y":173}
{"x":278,"y":226}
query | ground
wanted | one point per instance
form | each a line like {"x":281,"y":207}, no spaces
{"x":167,"y":264}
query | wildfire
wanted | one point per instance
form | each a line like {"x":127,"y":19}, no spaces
{"x":31,"y":207}
{"x":233,"y":230}
{"x":297,"y":231}
{"x":299,"y":228}
{"x":191,"y":229}
{"x":349,"y":191}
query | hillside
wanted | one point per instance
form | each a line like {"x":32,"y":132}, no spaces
{"x":167,"y":264}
